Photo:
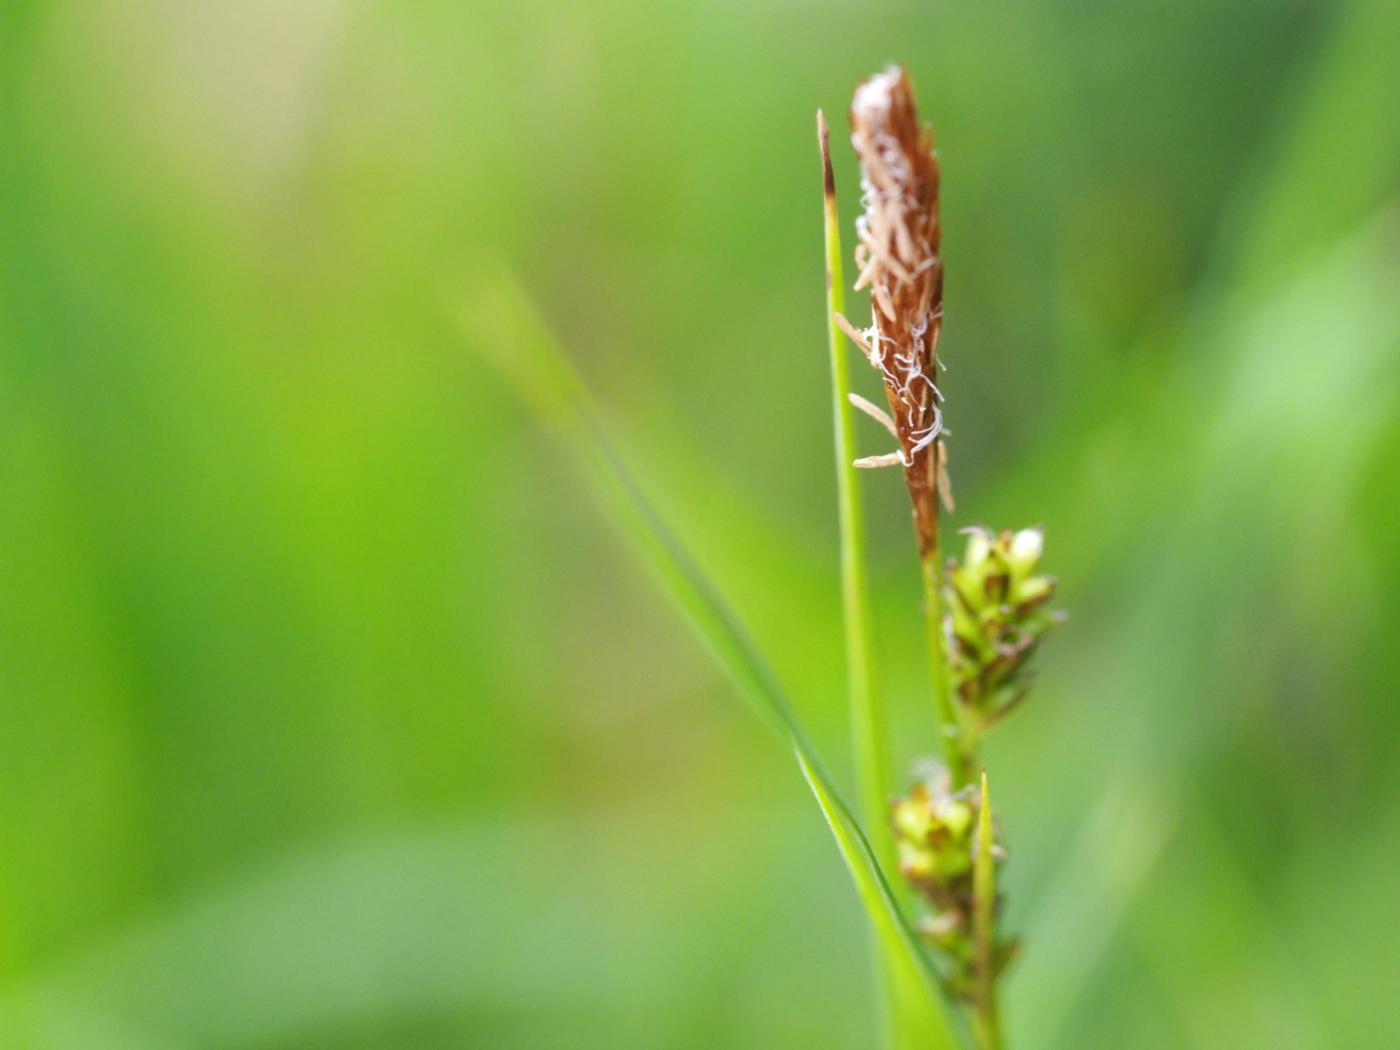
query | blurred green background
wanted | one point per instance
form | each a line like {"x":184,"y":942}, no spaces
{"x":333,"y":713}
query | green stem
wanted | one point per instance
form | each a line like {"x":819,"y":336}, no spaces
{"x":986,"y":1024}
{"x":869,"y":721}
{"x":955,"y":742}
{"x":870,"y":736}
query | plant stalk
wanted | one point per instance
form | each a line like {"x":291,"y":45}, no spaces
{"x":952,"y":734}
{"x":870,"y":736}
{"x":986,"y":1024}
{"x":870,"y":732}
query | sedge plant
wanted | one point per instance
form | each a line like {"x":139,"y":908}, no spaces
{"x":985,"y":613}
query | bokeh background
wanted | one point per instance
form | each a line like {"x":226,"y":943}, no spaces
{"x":334,"y":713}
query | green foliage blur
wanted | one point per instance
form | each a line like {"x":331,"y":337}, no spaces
{"x":334,"y":714}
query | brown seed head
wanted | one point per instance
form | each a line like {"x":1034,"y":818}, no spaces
{"x":898,"y":259}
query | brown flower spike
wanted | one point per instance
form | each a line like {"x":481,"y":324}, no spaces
{"x":899,"y":262}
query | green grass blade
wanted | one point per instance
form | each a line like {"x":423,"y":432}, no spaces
{"x":870,"y":731}
{"x":502,"y":325}
{"x":920,"y":1014}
